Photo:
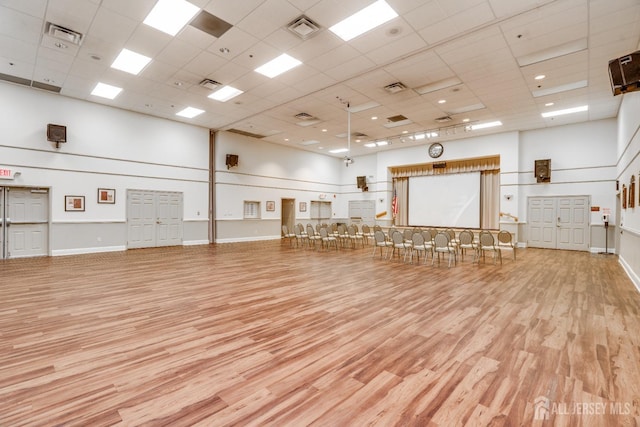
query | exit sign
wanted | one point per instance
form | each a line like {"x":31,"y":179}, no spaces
{"x":6,"y":173}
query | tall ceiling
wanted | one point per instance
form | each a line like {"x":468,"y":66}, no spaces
{"x":484,"y":54}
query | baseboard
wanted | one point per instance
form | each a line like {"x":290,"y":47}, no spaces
{"x":195,"y":242}
{"x":521,"y":245}
{"x":632,"y":275}
{"x":601,"y":250}
{"x":248,"y":239}
{"x":80,"y":251}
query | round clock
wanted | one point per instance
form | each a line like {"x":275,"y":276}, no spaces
{"x":435,"y":150}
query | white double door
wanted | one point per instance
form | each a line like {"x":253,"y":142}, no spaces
{"x":24,"y":222}
{"x":154,"y":218}
{"x":559,"y":222}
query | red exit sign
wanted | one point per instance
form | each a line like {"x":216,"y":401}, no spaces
{"x":6,"y":173}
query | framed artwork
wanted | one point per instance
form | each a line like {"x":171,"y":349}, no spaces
{"x":74,"y":203}
{"x":303,"y":206}
{"x":106,"y":195}
{"x":271,"y":206}
{"x":632,"y":192}
{"x":624,"y":196}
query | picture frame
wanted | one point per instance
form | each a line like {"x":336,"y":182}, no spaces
{"x":303,"y":206}
{"x":74,"y":203}
{"x":624,"y":196}
{"x":106,"y":196}
{"x":632,"y":192}
{"x":271,"y":206}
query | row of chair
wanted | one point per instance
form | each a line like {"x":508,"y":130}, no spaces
{"x":439,"y":243}
{"x":325,"y":236}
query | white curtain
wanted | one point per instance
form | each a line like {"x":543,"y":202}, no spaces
{"x":402,"y":192}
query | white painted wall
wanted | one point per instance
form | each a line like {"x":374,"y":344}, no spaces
{"x":108,"y":148}
{"x":628,"y":145}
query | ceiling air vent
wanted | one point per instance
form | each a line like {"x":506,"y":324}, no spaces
{"x":245,"y":133}
{"x":395,"y":87}
{"x":397,"y":118}
{"x":210,"y":84}
{"x":304,"y":116}
{"x":444,"y":119}
{"x":303,"y":27}
{"x":63,"y":33}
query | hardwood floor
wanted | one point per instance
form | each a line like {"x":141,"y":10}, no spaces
{"x":263,"y":334}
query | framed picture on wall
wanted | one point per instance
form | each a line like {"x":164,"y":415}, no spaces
{"x":632,"y":192}
{"x":271,"y":206}
{"x":303,"y":206}
{"x":624,"y":196}
{"x":106,"y":195}
{"x":74,"y":203}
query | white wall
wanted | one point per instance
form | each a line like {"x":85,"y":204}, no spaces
{"x":628,"y":145}
{"x":269,"y":172}
{"x":109,"y":148}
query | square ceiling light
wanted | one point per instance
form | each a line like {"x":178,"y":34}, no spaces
{"x":104,"y":90}
{"x":365,"y":20}
{"x":169,"y":16}
{"x":225,"y":93}
{"x":130,"y":62}
{"x":277,"y":66}
{"x":189,"y":112}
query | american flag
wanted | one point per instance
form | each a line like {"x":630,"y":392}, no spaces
{"x":394,"y":203}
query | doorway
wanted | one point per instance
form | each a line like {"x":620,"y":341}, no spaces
{"x":559,"y":222}
{"x":288,"y":213}
{"x":24,"y":222}
{"x":154,"y":218}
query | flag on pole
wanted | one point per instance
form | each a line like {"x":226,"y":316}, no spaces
{"x":394,"y":204}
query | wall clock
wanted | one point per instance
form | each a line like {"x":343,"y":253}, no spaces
{"x":435,"y":150}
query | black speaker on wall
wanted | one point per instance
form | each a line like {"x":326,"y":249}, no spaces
{"x":57,"y":134}
{"x":232,"y":160}
{"x":624,"y":73}
{"x":542,"y":170}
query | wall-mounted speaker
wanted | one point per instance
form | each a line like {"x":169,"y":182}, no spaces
{"x":624,"y":73}
{"x":362,"y":181}
{"x":56,"y":133}
{"x":232,"y":160}
{"x":542,"y":170}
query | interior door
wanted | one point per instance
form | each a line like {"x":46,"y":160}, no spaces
{"x":154,"y":218}
{"x":25,"y":222}
{"x":2,"y":225}
{"x":288,"y":213}
{"x":169,"y":218}
{"x":542,"y":223}
{"x":559,"y":222}
{"x":573,"y":223}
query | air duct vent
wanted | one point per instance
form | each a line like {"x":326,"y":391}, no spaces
{"x":444,"y":119}
{"x":397,"y":118}
{"x":303,"y":27}
{"x":210,"y":84}
{"x":395,"y":87}
{"x":245,"y":133}
{"x":304,"y":116}
{"x":64,"y":34}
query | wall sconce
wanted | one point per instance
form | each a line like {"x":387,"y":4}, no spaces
{"x":508,"y":196}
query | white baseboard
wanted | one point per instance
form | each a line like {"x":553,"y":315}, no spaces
{"x":521,"y":244}
{"x":80,"y":251}
{"x":195,"y":242}
{"x":632,"y":275}
{"x":599,"y":250}
{"x":248,"y":239}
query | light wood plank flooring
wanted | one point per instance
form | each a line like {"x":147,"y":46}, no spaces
{"x":254,"y":334}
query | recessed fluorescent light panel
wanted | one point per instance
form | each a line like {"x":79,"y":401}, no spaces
{"x":365,"y":20}
{"x":565,"y":111}
{"x":553,"y":52}
{"x":130,"y":62}
{"x":486,"y":125}
{"x":339,"y":150}
{"x":225,"y":93}
{"x":169,"y":16}
{"x":104,"y":90}
{"x":277,"y":66}
{"x":190,"y":112}
{"x":441,"y":84}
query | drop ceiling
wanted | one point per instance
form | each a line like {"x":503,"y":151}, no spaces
{"x":473,"y":60}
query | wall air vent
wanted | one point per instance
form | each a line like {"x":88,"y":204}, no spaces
{"x":303,"y":27}
{"x":210,"y":84}
{"x":395,"y":87}
{"x":444,"y":119}
{"x":64,"y":34}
